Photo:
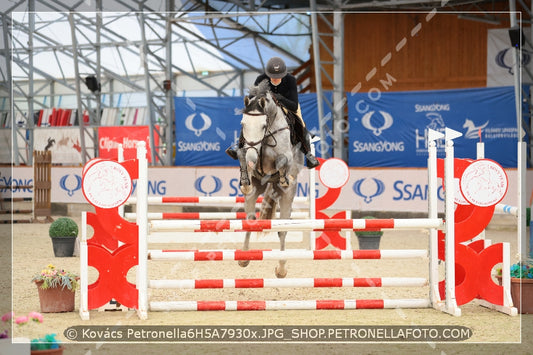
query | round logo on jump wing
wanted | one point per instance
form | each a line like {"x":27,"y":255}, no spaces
{"x":334,"y":173}
{"x":484,"y":183}
{"x":106,"y":184}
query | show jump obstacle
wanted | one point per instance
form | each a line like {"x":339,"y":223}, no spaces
{"x":117,"y":245}
{"x":30,"y":209}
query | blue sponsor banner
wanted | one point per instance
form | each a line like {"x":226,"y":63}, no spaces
{"x":309,"y":108}
{"x":206,"y":126}
{"x":390,"y":129}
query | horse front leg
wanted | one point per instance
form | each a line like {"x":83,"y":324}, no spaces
{"x":245,"y":176}
{"x":249,"y":208}
{"x":281,"y":269}
{"x":285,"y":208}
{"x":282,"y":163}
{"x":246,"y":246}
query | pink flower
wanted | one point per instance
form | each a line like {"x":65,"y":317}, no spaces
{"x":8,"y":316}
{"x":21,"y":320}
{"x":36,"y":317}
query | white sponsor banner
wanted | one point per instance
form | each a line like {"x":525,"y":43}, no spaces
{"x":64,"y":143}
{"x":395,"y":190}
{"x":501,"y":58}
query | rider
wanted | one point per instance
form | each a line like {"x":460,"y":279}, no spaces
{"x":284,"y":89}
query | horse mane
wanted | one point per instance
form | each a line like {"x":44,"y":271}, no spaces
{"x":256,"y":93}
{"x":260,"y":90}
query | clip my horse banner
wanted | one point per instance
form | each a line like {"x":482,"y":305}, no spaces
{"x":206,"y":126}
{"x":390,"y":129}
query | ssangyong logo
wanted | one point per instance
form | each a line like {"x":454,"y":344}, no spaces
{"x":366,"y":121}
{"x":368,"y":190}
{"x":370,"y":122}
{"x":69,"y":184}
{"x":206,"y":187}
{"x":504,"y":59}
{"x":198,"y":131}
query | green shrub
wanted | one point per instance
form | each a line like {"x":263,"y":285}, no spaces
{"x":63,"y":227}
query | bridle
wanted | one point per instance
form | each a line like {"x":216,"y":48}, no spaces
{"x":264,"y":140}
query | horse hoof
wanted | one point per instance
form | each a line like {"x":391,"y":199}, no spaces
{"x":244,"y":263}
{"x":281,"y":274}
{"x":246,"y":189}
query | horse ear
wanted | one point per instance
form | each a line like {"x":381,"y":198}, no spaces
{"x":246,"y":101}
{"x":262,"y":102}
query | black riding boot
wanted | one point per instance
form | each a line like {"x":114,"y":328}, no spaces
{"x":232,"y":150}
{"x":312,"y":161}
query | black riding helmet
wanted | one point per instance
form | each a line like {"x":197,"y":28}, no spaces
{"x":276,"y":68}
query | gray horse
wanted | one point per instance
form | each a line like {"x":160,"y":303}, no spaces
{"x":269,"y":162}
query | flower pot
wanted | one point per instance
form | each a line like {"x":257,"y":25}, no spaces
{"x":58,"y":351}
{"x":55,"y":299}
{"x":527,"y":295}
{"x":63,"y":246}
{"x":369,"y":240}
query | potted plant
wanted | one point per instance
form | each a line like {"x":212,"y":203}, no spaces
{"x":63,"y":232}
{"x":48,"y":345}
{"x":369,"y":239}
{"x":56,"y":289}
{"x":521,"y":277}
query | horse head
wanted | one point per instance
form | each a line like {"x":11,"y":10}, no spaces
{"x":468,"y":124}
{"x":259,"y":112}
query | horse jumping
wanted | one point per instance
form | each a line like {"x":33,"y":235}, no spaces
{"x":269,"y":162}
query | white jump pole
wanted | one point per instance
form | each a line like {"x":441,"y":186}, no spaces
{"x":178,"y":200}
{"x":480,"y":154}
{"x":207,"y":215}
{"x":84,"y":273}
{"x":235,"y":255}
{"x":287,"y":305}
{"x":449,"y":183}
{"x":277,"y":225}
{"x":142,"y":224}
{"x":521,"y":198}
{"x":303,"y":282}
{"x":312,"y":203}
{"x":434,"y":294}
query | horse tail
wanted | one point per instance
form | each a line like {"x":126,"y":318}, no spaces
{"x":268,"y":207}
